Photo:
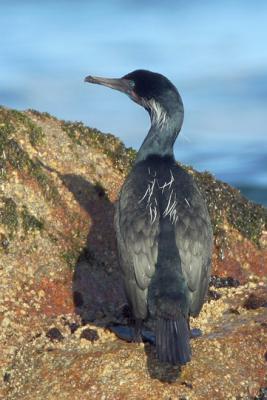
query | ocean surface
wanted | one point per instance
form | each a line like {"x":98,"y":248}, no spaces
{"x":214,"y":52}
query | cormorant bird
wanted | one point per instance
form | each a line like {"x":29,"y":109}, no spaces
{"x":163,"y":227}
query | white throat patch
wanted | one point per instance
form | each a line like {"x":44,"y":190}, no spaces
{"x":158,"y":113}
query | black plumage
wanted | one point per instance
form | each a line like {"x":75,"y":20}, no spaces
{"x":163,"y":228}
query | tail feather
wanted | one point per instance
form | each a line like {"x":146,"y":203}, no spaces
{"x":172,"y":340}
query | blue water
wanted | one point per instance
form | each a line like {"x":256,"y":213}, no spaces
{"x":215,"y":53}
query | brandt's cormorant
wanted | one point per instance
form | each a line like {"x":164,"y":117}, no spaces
{"x":163,"y":227}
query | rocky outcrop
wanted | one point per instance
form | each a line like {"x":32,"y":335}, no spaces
{"x":61,"y":288}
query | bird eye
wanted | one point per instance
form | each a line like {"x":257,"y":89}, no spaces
{"x":132,"y":84}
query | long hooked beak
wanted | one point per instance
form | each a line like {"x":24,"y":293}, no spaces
{"x":121,"y":84}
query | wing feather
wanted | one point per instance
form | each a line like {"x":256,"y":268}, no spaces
{"x":137,"y":243}
{"x":194,"y":242}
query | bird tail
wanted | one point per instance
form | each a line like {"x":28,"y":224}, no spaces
{"x":172,"y":340}
{"x":168,"y":299}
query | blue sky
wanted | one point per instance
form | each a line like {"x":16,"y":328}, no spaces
{"x":215,"y":53}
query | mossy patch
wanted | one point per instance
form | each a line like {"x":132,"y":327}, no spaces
{"x":46,"y":184}
{"x":227,"y":203}
{"x":17,"y":119}
{"x":121,"y":156}
{"x":9,"y":214}
{"x":30,"y":222}
{"x":14,"y":156}
{"x":12,"y":218}
{"x":71,"y":257}
{"x":41,"y":115}
{"x":17,"y":116}
{"x":21,"y":161}
{"x":11,"y":152}
{"x":250,"y":219}
{"x":5,"y":131}
{"x":35,"y":132}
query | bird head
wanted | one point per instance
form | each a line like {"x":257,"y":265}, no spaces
{"x":151,"y":90}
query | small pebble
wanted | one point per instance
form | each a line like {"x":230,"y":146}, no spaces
{"x":54,"y":334}
{"x":233,"y":311}
{"x":5,"y":243}
{"x":220,"y":282}
{"x":253,"y":302}
{"x":6,"y":377}
{"x":89,"y":334}
{"x":213,"y":295}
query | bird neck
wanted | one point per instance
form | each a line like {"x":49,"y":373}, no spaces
{"x":162,"y":133}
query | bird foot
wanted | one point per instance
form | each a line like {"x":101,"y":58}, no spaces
{"x":128,"y":334}
{"x":123,"y":332}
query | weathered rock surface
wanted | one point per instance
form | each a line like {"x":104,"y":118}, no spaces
{"x":60,"y":284}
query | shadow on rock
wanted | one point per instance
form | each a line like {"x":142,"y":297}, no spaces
{"x":97,"y":286}
{"x":160,"y":371}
